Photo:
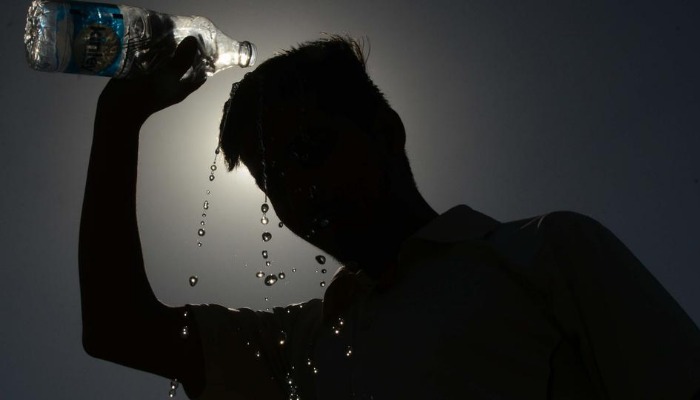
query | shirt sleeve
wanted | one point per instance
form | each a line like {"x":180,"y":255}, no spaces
{"x":635,"y":339}
{"x":249,"y":354}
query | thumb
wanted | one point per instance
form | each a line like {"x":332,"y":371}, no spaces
{"x":184,"y":56}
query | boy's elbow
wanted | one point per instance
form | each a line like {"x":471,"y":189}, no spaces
{"x":95,"y":344}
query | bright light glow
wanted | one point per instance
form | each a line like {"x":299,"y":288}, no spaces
{"x":243,"y":60}
{"x":225,"y":59}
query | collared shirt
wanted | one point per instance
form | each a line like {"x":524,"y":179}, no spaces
{"x":553,"y":307}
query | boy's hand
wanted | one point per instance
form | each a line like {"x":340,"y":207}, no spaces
{"x":145,"y":95}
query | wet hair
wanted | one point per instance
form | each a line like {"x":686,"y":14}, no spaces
{"x":329,"y":73}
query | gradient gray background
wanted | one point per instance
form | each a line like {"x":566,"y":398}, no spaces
{"x":516,"y":108}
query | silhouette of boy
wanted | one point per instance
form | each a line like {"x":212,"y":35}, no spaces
{"x":427,"y":306}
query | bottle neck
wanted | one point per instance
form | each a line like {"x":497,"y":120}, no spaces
{"x":219,"y":50}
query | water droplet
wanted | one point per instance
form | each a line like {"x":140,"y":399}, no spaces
{"x":206,"y":205}
{"x":259,"y":274}
{"x":264,"y":220}
{"x":315,"y":370}
{"x":199,"y":244}
{"x":280,"y":224}
{"x":266,"y":236}
{"x":174,"y":384}
{"x":267,"y":299}
{"x":201,"y":232}
{"x":323,"y":283}
{"x":264,"y":254}
{"x":217,"y":151}
{"x":185,"y":314}
{"x":264,"y":208}
{"x":282,"y":275}
{"x":202,"y":223}
{"x":323,"y":271}
{"x":341,"y":321}
{"x":193,"y":280}
{"x":308,"y":361}
{"x":282,"y":338}
{"x":336,"y":330}
{"x":271,"y":280}
{"x":267,"y":263}
{"x":208,"y":191}
{"x":185,"y":332}
{"x":204,"y":215}
{"x":257,"y":354}
{"x":213,"y":167}
{"x":294,"y":270}
{"x":321,"y":259}
{"x":211,"y":177}
{"x":348,"y":351}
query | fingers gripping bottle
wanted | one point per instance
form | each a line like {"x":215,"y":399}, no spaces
{"x":121,"y":41}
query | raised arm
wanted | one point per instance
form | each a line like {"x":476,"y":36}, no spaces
{"x":123,"y":321}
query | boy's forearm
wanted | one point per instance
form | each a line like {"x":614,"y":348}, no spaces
{"x":113,"y":281}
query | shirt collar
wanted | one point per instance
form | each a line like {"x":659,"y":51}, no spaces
{"x":458,"y":224}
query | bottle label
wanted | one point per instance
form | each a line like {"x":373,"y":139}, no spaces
{"x":98,"y":32}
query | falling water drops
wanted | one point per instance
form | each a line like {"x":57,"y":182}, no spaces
{"x":193,"y":280}
{"x":323,"y":283}
{"x":271,"y":280}
{"x":323,"y":271}
{"x":185,"y":332}
{"x":202,"y":223}
{"x":199,"y":244}
{"x":201,"y":232}
{"x":174,"y":384}
{"x":211,"y":177}
{"x":204,"y":215}
{"x":294,"y":270}
{"x":259,"y":274}
{"x":264,"y":220}
{"x":282,"y":338}
{"x":280,"y":224}
{"x":281,"y":275}
{"x":205,"y":205}
{"x":208,"y":191}
{"x":264,"y":208}
{"x":348,"y":351}
{"x":213,"y":167}
{"x":264,"y":254}
{"x":321,"y":259}
{"x":266,"y":236}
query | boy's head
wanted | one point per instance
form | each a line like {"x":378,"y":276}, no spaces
{"x":319,"y":138}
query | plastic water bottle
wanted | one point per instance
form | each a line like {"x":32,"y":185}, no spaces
{"x":121,"y":41}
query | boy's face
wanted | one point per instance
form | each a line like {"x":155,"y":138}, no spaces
{"x":325,"y":177}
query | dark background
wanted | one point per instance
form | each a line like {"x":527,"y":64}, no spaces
{"x":516,"y":108}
